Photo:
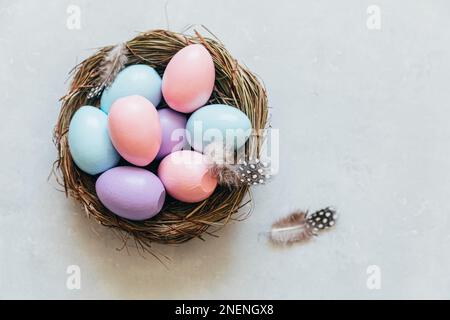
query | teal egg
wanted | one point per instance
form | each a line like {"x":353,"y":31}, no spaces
{"x":89,"y":142}
{"x":218,"y":122}
{"x":138,"y":79}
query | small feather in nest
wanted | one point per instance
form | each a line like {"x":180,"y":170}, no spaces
{"x":222,"y":164}
{"x":301,"y":226}
{"x":112,"y":63}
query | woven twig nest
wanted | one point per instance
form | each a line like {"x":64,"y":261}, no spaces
{"x":178,"y":221}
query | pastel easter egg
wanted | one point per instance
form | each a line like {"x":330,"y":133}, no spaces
{"x":135,"y":130}
{"x":89,"y":142}
{"x":188,"y":80}
{"x":186,"y":177}
{"x":173,"y":126}
{"x":130,"y":192}
{"x":218,"y":122}
{"x":138,"y":79}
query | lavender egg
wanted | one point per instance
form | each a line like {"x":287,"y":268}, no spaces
{"x":131,"y":193}
{"x":173,"y":126}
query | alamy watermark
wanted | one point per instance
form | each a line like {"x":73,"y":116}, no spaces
{"x":73,"y":21}
{"x":373,"y":21}
{"x":249,"y":144}
{"x":373,"y":281}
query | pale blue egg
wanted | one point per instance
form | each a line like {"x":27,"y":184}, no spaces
{"x":138,"y":79}
{"x":218,"y":122}
{"x":89,"y":142}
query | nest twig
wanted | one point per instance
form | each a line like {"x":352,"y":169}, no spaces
{"x":177,"y":222}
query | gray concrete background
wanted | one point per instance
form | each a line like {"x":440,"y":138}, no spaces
{"x":363,"y":118}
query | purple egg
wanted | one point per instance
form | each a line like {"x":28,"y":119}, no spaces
{"x":173,"y":126}
{"x":132,"y":193}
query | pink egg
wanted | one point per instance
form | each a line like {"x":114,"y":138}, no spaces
{"x":188,"y":80}
{"x":134,"y":129}
{"x":186,"y":177}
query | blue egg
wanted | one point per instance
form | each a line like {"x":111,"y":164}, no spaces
{"x":138,"y":79}
{"x":218,"y":122}
{"x":89,"y":142}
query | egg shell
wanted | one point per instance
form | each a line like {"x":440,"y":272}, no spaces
{"x":173,"y":125}
{"x":135,"y":130}
{"x":138,"y":79}
{"x":186,"y":177}
{"x":188,"y":79}
{"x":218,"y":122}
{"x":89,"y":141}
{"x":130,"y":192}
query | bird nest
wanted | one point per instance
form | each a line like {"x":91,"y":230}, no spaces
{"x":177,"y":222}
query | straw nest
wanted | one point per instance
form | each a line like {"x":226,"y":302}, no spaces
{"x":177,"y":222}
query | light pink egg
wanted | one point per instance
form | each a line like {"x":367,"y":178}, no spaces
{"x":188,"y":80}
{"x":186,"y":177}
{"x":134,"y":129}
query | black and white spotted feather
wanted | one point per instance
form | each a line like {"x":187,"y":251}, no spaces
{"x":253,"y":172}
{"x":222,"y":164}
{"x":301,"y":226}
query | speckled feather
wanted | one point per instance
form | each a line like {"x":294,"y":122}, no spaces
{"x":222,"y":165}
